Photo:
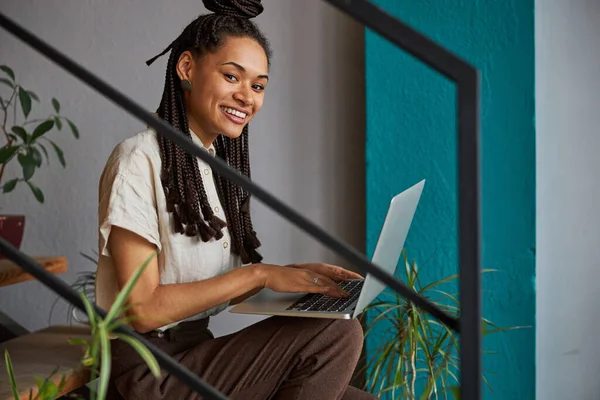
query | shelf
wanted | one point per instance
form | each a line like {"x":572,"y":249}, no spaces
{"x":11,"y":273}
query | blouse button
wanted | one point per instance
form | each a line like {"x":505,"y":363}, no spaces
{"x":206,"y":171}
{"x":225,"y":244}
{"x":216,"y":209}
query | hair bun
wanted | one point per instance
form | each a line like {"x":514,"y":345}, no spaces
{"x":235,"y":8}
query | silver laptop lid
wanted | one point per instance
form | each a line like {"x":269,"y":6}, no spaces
{"x":391,"y":242}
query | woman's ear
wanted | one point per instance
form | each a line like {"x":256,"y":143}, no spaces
{"x":185,"y":66}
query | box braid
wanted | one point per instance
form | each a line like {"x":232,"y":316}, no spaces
{"x":180,"y":176}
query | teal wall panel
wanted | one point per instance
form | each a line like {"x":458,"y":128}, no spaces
{"x":411,"y":135}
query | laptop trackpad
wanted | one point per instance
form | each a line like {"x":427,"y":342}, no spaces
{"x":270,"y":300}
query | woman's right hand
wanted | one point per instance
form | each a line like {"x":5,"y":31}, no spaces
{"x":297,"y":280}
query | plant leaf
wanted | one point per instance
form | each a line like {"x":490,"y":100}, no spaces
{"x":20,"y":132}
{"x":10,"y":185}
{"x":48,"y":390}
{"x":25,"y":100}
{"x":78,"y":341}
{"x":73,"y":128}
{"x":41,"y":129}
{"x":115,"y":309}
{"x":11,"y":375}
{"x":143,"y":352}
{"x":33,"y":95}
{"x":58,"y":123}
{"x":45,"y":152}
{"x":7,"y":83}
{"x":36,"y":155}
{"x":455,"y":390}
{"x":56,"y":105}
{"x":59,"y":154}
{"x":28,"y":164}
{"x":105,"y":364}
{"x":8,"y":71}
{"x":90,"y":311}
{"x":7,"y":152}
{"x":37,"y":192}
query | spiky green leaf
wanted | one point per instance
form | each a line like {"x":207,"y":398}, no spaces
{"x":11,"y":375}
{"x":143,"y":352}
{"x":91,"y":313}
{"x":115,"y":309}
{"x":105,"y":364}
{"x":78,"y":341}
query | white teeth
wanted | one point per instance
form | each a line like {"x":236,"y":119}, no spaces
{"x":234,"y":112}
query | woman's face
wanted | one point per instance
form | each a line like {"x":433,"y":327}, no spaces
{"x":227,"y":87}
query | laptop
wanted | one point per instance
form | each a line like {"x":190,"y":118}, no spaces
{"x":362,"y":291}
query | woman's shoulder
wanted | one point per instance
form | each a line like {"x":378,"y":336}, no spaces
{"x":136,"y":156}
{"x":142,"y":144}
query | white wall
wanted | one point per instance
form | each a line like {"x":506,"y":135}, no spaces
{"x":307,"y":145}
{"x":568,"y":197}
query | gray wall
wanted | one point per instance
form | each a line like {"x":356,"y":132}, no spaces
{"x":568,"y":194}
{"x":307,"y":144}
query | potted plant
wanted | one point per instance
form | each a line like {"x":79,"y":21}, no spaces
{"x":25,"y":140}
{"x":418,"y":357}
{"x":97,"y":351}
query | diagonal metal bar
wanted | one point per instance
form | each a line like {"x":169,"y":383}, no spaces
{"x":70,"y":295}
{"x":165,"y":129}
{"x":466,"y":78}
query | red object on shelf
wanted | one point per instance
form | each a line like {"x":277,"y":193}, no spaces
{"x":11,"y":229}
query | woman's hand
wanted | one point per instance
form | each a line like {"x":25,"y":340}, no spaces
{"x":297,"y":279}
{"x":331,"y":271}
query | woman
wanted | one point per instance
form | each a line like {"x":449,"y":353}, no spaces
{"x":154,"y":197}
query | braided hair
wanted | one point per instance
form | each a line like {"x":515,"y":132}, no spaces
{"x":180,"y":177}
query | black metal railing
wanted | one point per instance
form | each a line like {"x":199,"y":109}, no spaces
{"x":466,"y":78}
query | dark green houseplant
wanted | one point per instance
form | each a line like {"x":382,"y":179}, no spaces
{"x":25,"y":140}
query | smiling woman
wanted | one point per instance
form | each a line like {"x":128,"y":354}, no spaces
{"x":154,"y":197}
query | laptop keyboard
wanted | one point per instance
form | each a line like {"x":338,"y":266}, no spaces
{"x":321,"y":302}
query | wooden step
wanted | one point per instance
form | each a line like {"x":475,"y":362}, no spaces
{"x":11,"y":273}
{"x":41,"y":353}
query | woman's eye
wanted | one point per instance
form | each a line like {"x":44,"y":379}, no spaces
{"x":258,"y":87}
{"x":231,"y":77}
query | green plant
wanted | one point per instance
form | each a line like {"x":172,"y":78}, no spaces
{"x":419,"y":356}
{"x":97,"y":355}
{"x":22,"y":143}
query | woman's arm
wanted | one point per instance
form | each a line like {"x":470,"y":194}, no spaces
{"x":154,"y":305}
{"x":245,"y":296}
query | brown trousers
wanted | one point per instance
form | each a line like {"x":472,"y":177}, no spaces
{"x":277,"y":358}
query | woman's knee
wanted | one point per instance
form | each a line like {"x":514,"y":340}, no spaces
{"x":350,"y":334}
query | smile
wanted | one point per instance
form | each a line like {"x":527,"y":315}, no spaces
{"x":234,"y":115}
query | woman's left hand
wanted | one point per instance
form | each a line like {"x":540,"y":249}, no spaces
{"x":331,"y":271}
